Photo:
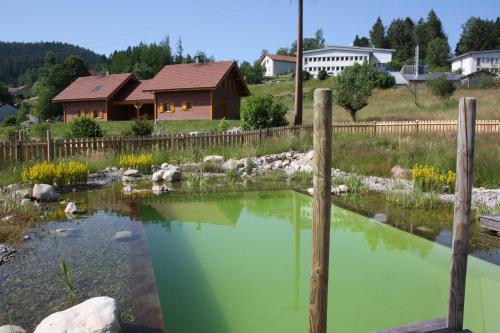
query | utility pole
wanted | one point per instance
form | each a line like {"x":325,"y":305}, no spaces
{"x":298,"y":69}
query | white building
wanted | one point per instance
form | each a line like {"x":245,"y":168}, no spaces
{"x":334,"y":59}
{"x":472,"y":62}
{"x":275,"y":64}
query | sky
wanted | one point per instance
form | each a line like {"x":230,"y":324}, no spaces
{"x":226,"y":29}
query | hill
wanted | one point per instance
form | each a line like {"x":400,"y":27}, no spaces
{"x":17,"y":57}
{"x":391,"y":104}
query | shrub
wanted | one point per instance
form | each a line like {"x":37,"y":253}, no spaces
{"x":10,"y":120}
{"x":306,"y":76}
{"x":322,"y":75}
{"x":9,"y":135}
{"x":85,"y":128}
{"x":427,"y":178}
{"x":223,"y":126}
{"x":141,"y":162}
{"x":385,"y":81}
{"x":486,"y":82}
{"x":441,"y":87}
{"x":263,"y":112}
{"x":394,"y":65}
{"x":142,"y":128}
{"x":61,"y":174}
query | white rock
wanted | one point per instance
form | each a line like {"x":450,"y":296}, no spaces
{"x":127,"y":189}
{"x":339,"y":189}
{"x":25,"y":202}
{"x":160,"y":188}
{"x":214,"y":159}
{"x":132,"y":173}
{"x":158,"y":176}
{"x":11,"y":329}
{"x":95,"y":315}
{"x":122,"y":235}
{"x":310,"y":191}
{"x":44,"y":192}
{"x":71,"y":208}
{"x":231,"y":165}
{"x":380,"y":217}
{"x":172,"y":174}
{"x":164,"y":166}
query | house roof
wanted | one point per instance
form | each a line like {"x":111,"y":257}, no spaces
{"x":350,"y":48}
{"x":93,"y":87}
{"x":195,"y":76}
{"x":432,"y":76}
{"x":472,"y":53}
{"x":134,"y":92}
{"x":277,"y":57}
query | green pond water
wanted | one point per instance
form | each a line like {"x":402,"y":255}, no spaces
{"x":241,"y":263}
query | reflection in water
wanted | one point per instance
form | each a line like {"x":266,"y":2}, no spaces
{"x":241,"y":263}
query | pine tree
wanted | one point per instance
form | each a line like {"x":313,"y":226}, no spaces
{"x":435,"y":27}
{"x":401,"y":37}
{"x":438,"y":53}
{"x":478,"y":35}
{"x":179,"y":52}
{"x":377,"y":34}
{"x":422,"y":37}
{"x":361,"y":42}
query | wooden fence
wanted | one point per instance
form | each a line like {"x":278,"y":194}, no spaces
{"x":23,"y":150}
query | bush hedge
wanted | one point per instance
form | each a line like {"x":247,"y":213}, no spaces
{"x":83,"y":127}
{"x":263,"y":112}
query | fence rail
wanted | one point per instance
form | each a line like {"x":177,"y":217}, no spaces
{"x":23,"y":150}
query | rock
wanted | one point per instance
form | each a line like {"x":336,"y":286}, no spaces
{"x":173,"y":174}
{"x":380,"y":217}
{"x":215,"y":160}
{"x":231,"y":165}
{"x":124,"y":236}
{"x":336,"y":190}
{"x":127,"y":189}
{"x":7,"y":218}
{"x":44,"y":192}
{"x":158,"y":176}
{"x":23,"y":194}
{"x":164,"y":166}
{"x":190,"y":167}
{"x":95,"y":315}
{"x":11,"y":329}
{"x":160,"y":189}
{"x":25,"y":202}
{"x":310,"y":191}
{"x":132,"y":173}
{"x":71,"y":208}
{"x":6,"y":253}
{"x":398,"y":172}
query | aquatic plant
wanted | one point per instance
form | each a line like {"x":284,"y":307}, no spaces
{"x":427,"y":178}
{"x":61,"y":174}
{"x":302,"y":176}
{"x":354,"y":183}
{"x":68,"y":278}
{"x":141,"y":162}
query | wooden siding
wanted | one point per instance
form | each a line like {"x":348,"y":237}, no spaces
{"x":226,"y":94}
{"x":200,"y":99}
{"x":71,"y":109}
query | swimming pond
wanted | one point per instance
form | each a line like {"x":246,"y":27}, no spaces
{"x":239,"y":262}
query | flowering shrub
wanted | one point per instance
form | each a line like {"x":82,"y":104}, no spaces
{"x":61,"y":174}
{"x":428,"y":178}
{"x":141,"y":162}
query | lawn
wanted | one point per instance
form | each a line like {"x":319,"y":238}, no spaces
{"x":391,"y":104}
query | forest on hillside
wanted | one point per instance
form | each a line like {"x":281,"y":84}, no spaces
{"x":18,"y":58}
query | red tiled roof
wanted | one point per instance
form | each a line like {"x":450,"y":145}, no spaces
{"x":93,"y":87}
{"x":137,"y":93}
{"x":282,"y":58}
{"x":189,"y":76}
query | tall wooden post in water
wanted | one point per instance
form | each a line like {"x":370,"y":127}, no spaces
{"x":297,"y":120}
{"x":462,"y":211}
{"x":322,"y":201}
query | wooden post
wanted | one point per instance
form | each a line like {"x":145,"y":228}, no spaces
{"x":297,"y":120}
{"x":49,"y":146}
{"x":19,"y":147}
{"x":462,"y":212}
{"x":322,"y":201}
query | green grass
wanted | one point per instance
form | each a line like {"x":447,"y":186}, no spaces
{"x":391,"y":104}
{"x":118,"y":128}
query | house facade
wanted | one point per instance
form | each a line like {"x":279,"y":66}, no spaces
{"x":275,"y":64}
{"x":472,"y":62}
{"x":185,"y":91}
{"x":334,"y":59}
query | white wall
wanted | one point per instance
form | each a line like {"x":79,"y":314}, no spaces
{"x":276,"y":67}
{"x":334,"y":61}
{"x":477,"y":61}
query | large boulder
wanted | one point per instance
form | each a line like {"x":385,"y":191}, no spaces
{"x":11,"y":329}
{"x":44,"y":192}
{"x":398,"y":172}
{"x":172,"y":174}
{"x":132,"y":173}
{"x":95,"y":315}
{"x":71,"y":208}
{"x":213,"y":162}
{"x":158,"y":176}
{"x":232,"y":165}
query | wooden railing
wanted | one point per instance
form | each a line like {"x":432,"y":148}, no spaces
{"x":23,"y":150}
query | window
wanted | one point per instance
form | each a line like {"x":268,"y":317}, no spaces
{"x":101,"y":115}
{"x":93,"y":114}
{"x":167,"y":107}
{"x":81,"y":113}
{"x":186,"y":106}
